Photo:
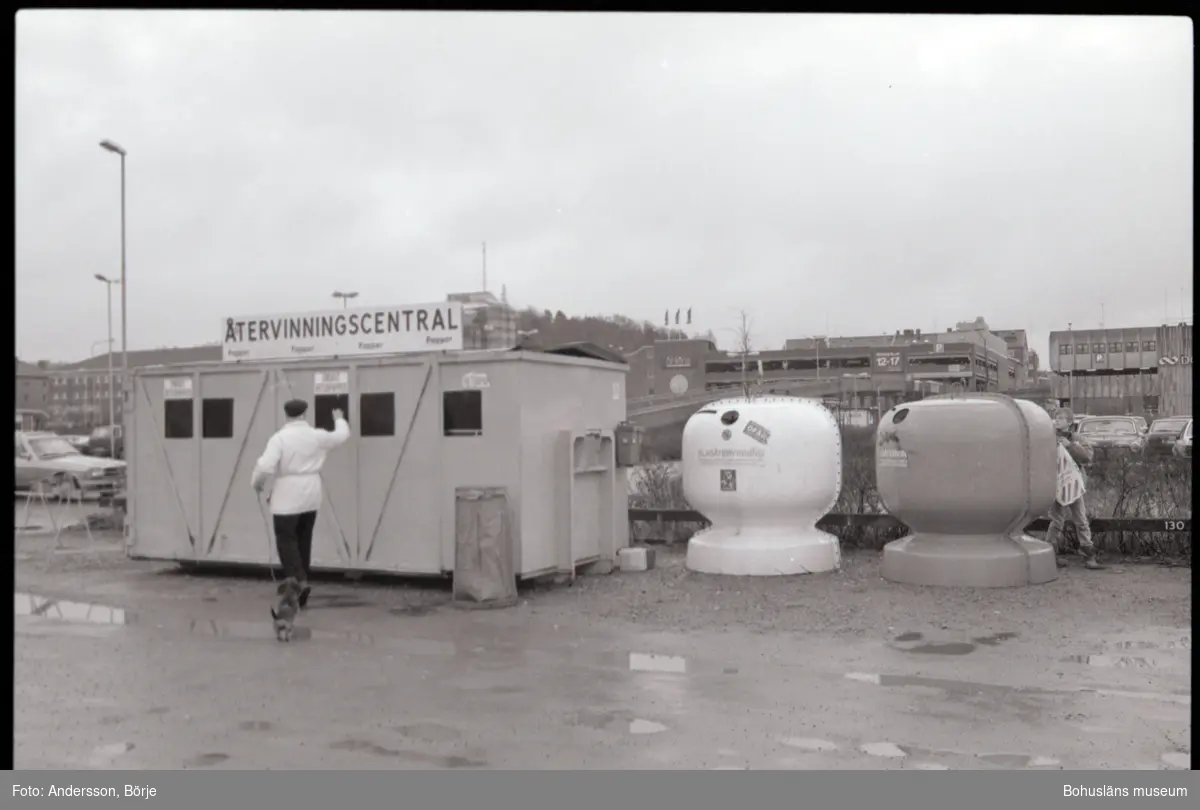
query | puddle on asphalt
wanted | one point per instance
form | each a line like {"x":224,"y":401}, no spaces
{"x":883,"y":749}
{"x":946,"y":648}
{"x":925,"y":758}
{"x":1182,"y":644}
{"x":995,"y":639}
{"x":417,"y":757}
{"x":950,"y":647}
{"x":496,"y":654}
{"x":1113,"y":661}
{"x":609,"y":719}
{"x":88,"y":613}
{"x":809,"y":744}
{"x":1019,"y":761}
{"x":640,"y":726}
{"x":974,"y":688}
{"x":77,"y":612}
{"x":646,"y":662}
{"x":206,"y":760}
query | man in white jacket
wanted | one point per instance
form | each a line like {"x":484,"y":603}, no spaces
{"x":294,"y":456}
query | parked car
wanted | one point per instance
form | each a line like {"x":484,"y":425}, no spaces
{"x":104,"y":441}
{"x":80,"y":442}
{"x":40,"y":455}
{"x":1164,"y":432}
{"x":1183,"y":445}
{"x":1111,"y":433}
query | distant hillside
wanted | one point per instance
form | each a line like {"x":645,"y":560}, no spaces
{"x":616,"y":332}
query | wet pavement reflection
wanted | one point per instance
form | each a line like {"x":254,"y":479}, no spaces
{"x":797,"y":710}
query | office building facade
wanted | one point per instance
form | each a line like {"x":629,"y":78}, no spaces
{"x":1138,"y":370}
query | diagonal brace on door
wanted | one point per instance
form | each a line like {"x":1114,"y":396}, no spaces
{"x":158,"y":442}
{"x":212,"y":541}
{"x":396,"y":470}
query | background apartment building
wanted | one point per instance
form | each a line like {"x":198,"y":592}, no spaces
{"x":33,"y":386}
{"x":78,"y":393}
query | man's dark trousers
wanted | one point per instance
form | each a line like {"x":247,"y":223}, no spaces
{"x":293,"y":540}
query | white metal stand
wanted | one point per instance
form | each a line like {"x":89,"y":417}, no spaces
{"x":60,"y":496}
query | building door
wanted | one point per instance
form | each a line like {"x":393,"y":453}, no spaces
{"x":399,"y":473}
{"x":237,"y":418}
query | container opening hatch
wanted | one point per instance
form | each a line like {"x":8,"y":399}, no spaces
{"x":462,"y":413}
{"x":325,"y":404}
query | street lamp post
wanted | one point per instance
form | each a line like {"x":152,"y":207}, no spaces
{"x":112,"y":410}
{"x":110,"y":146}
{"x":345,"y":296}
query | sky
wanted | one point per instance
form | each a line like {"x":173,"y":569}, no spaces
{"x":825,"y":174}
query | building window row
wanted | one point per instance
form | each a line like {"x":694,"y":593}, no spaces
{"x":1112,"y":348}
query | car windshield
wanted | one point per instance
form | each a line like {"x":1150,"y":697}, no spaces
{"x":52,"y":447}
{"x":1108,"y":426}
{"x":1169,"y":426}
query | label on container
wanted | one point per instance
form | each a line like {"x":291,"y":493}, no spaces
{"x":757,"y":432}
{"x":177,"y":388}
{"x":476,"y":380}
{"x":326,"y":383}
{"x":733,"y":457}
{"x":729,"y":480}
{"x":893,"y":458}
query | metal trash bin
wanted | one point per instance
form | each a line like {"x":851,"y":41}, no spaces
{"x":629,"y":444}
{"x":484,"y":570}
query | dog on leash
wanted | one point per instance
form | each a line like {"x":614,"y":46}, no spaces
{"x":285,"y":610}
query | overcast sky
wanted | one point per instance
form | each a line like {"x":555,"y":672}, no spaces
{"x":856,"y":174}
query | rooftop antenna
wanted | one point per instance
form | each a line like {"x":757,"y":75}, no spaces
{"x":485,"y":266}
{"x":1101,"y":314}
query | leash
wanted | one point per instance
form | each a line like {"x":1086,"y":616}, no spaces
{"x":267,"y":527}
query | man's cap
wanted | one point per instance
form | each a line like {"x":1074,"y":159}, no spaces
{"x":295,"y":408}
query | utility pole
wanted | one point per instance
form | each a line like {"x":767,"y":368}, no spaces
{"x":485,"y":266}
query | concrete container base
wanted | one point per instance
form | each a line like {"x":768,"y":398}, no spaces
{"x":969,"y":561}
{"x":763,"y":552}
